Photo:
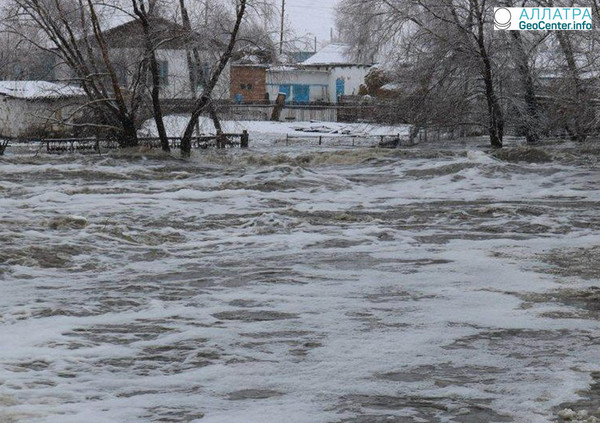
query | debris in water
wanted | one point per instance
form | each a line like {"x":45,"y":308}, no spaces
{"x":567,"y":414}
{"x":522,"y":154}
{"x":68,"y":222}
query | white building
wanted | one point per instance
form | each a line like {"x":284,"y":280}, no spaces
{"x":37,"y":108}
{"x":322,"y":78}
{"x":126,"y":44}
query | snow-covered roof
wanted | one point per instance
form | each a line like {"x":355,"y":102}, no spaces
{"x":282,"y":68}
{"x":38,"y":89}
{"x":332,"y":54}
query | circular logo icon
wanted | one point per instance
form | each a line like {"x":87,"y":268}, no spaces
{"x":502,"y":18}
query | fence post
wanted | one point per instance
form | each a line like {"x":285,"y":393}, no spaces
{"x":320,"y":139}
{"x":244,"y":139}
{"x":220,"y":139}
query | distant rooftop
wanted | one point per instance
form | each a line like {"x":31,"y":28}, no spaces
{"x":38,"y":89}
{"x":332,"y":54}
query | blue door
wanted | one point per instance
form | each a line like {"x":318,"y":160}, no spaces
{"x":339,"y":88}
{"x":287,"y":90}
{"x":301,"y":94}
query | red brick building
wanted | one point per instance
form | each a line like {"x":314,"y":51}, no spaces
{"x":248,"y":83}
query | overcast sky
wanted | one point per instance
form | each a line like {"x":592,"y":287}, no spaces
{"x":314,"y":16}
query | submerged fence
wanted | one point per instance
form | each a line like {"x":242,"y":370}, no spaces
{"x":350,"y":140}
{"x":97,"y":145}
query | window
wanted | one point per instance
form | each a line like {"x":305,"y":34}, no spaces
{"x":246,"y":86}
{"x":163,"y":73}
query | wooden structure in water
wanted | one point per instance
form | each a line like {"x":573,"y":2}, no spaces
{"x":3,"y":145}
{"x":97,"y":145}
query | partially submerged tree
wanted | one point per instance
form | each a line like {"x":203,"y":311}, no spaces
{"x":72,"y":33}
{"x":455,"y":32}
{"x":204,"y":100}
{"x":144,"y":13}
{"x":119,"y":68}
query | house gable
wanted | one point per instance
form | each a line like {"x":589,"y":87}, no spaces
{"x":167,"y":34}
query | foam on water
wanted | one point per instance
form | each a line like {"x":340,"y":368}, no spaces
{"x":295,"y":284}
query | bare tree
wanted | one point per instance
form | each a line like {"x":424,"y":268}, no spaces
{"x":72,"y":33}
{"x":204,"y":100}
{"x":530,"y":116}
{"x":144,"y":13}
{"x":450,"y":29}
{"x":195,"y":68}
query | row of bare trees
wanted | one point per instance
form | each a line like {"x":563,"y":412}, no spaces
{"x":123,"y":84}
{"x":451,"y":68}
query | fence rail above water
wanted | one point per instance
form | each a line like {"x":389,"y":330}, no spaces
{"x":351,"y":140}
{"x":97,"y":145}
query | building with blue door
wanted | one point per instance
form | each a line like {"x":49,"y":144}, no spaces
{"x":346,"y":74}
{"x":300,"y":86}
{"x":320,"y":79}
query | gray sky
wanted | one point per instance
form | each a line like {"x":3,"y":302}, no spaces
{"x":314,"y":16}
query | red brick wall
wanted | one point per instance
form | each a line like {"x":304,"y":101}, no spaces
{"x":250,"y":82}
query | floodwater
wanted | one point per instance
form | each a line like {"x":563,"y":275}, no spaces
{"x":298,"y":284}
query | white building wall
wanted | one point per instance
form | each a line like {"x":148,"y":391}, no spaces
{"x":178,"y":82}
{"x":128,"y":59}
{"x":179,"y":78}
{"x":317,"y":80}
{"x":353,"y":76}
{"x":30,"y":118}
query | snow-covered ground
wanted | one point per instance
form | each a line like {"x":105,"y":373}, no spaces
{"x":297,"y":284}
{"x":263,"y":132}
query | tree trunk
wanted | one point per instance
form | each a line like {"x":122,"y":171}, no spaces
{"x":580,"y":109}
{"x":157,"y":113}
{"x":495,"y":116}
{"x":124,"y":116}
{"x":194,"y":65}
{"x":156,"y":104}
{"x":204,"y":100}
{"x":530,"y":123}
{"x":129,"y":133}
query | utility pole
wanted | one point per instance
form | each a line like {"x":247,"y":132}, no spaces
{"x":282,"y":23}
